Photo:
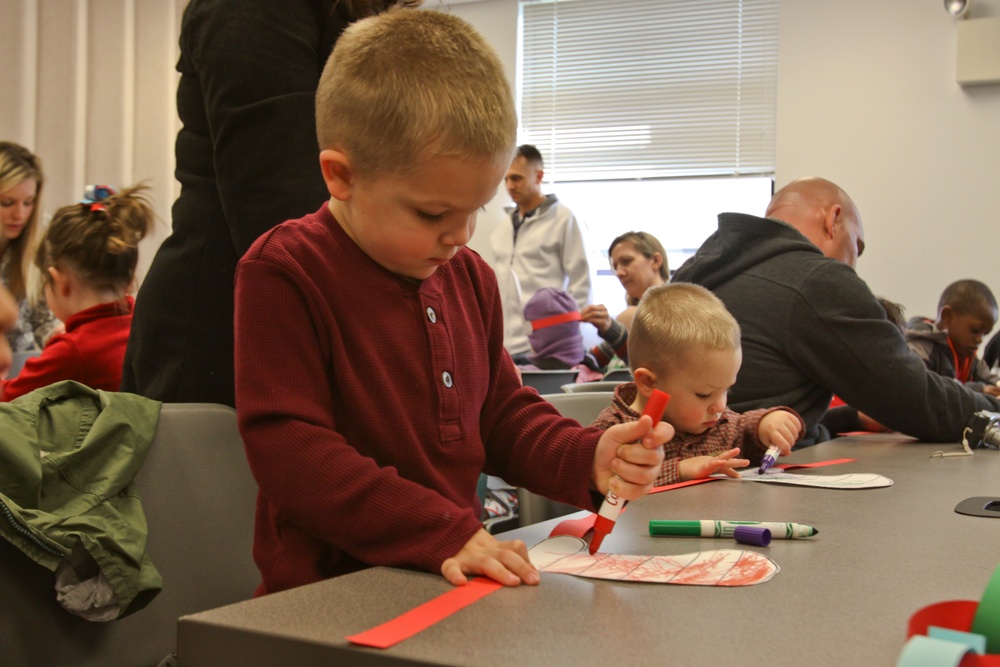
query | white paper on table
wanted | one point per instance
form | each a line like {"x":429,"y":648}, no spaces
{"x":719,"y":567}
{"x":846,"y":481}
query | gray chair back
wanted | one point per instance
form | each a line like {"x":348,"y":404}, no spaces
{"x":604,"y":386}
{"x":199,"y":497}
{"x":17,"y":362}
{"x":584,"y":408}
{"x":581,"y":406}
{"x":547,"y":382}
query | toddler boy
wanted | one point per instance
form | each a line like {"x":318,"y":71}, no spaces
{"x":967,"y":312}
{"x":684,"y":342}
{"x":372,"y":385}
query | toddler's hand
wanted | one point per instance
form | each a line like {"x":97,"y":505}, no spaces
{"x":626,"y":466}
{"x":504,"y":562}
{"x":700,"y":467}
{"x":779,"y":429}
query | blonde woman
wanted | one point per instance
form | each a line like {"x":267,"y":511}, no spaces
{"x":21,"y":181}
{"x":639,"y":262}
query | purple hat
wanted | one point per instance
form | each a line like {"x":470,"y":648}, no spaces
{"x":555,"y":327}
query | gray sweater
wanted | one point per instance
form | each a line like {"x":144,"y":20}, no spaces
{"x":812,"y":328}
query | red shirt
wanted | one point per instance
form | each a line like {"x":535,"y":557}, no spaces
{"x":369,"y":404}
{"x":91,"y":352}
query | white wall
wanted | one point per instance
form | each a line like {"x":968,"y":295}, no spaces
{"x":867,"y":97}
{"x":497,"y":21}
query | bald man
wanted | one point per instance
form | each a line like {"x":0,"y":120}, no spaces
{"x":811,"y":327}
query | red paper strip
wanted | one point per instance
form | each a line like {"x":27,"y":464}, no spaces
{"x":678,"y":485}
{"x":552,"y":320}
{"x":954,"y":615}
{"x":422,"y":617}
{"x":818,"y":464}
{"x":575,"y":527}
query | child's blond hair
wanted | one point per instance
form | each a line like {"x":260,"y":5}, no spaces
{"x":674,"y":322}
{"x":408,"y":85}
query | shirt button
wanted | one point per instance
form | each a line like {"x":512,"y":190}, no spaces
{"x":431,"y":315}
{"x":446,"y":378}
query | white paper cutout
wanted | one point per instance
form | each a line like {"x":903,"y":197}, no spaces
{"x":845,"y":481}
{"x":719,"y":567}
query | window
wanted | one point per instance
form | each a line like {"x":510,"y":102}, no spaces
{"x":652,"y":115}
{"x":681,"y":213}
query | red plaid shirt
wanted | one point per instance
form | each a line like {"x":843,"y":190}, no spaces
{"x":733,"y":430}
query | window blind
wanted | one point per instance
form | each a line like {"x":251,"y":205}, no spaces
{"x":629,"y":89}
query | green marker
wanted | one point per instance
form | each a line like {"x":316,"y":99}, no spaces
{"x":779,"y":531}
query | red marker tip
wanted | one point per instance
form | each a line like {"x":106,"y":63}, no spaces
{"x":602,"y":527}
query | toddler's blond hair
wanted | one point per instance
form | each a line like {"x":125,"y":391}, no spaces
{"x":676,"y":321}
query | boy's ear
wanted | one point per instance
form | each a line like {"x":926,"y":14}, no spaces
{"x":337,"y":172}
{"x":645,"y":381}
{"x":944,"y":317}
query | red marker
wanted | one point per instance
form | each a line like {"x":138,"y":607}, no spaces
{"x":612,"y":505}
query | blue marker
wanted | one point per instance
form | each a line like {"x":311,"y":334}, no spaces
{"x":770,"y":456}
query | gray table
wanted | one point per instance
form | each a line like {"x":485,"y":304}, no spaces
{"x":841,"y":598}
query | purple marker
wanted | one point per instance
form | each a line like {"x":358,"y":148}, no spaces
{"x":770,"y":456}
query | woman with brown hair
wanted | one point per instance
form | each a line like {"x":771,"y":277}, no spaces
{"x":640,"y":262}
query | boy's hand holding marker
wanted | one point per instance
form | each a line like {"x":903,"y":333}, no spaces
{"x":629,"y":456}
{"x":617,"y":494}
{"x":626,"y":462}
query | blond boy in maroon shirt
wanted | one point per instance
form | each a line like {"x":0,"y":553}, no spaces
{"x":372,"y":386}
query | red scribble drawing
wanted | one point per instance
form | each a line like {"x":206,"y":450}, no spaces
{"x":749,"y":569}
{"x":661,"y":570}
{"x":721,"y":567}
{"x":706,"y":571}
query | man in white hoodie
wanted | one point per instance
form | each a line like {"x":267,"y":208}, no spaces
{"x":539,"y":245}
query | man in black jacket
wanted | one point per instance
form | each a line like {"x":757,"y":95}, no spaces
{"x":811,"y":327}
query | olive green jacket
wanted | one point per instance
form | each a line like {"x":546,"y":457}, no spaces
{"x":68,"y":456}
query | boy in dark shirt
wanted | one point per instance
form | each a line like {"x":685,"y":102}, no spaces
{"x":389,"y":389}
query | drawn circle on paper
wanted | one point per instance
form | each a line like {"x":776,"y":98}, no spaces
{"x":552,"y":549}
